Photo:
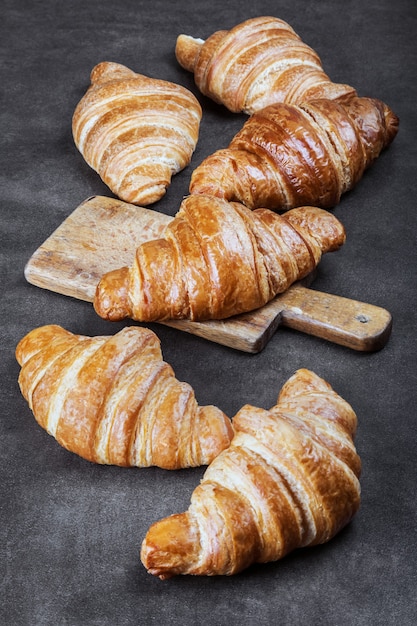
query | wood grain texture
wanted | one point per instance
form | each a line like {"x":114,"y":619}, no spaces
{"x":103,"y":233}
{"x":100,"y":235}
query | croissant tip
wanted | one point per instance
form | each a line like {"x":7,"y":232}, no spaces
{"x":392,"y":123}
{"x":171,"y":546}
{"x":111,"y":299}
{"x":187,"y":50}
{"x":159,"y":575}
{"x":328,"y":231}
{"x":106,"y":71}
{"x":150,"y":554}
{"x":34,"y":339}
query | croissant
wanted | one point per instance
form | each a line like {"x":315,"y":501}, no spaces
{"x":289,"y":479}
{"x":113,"y":400}
{"x":290,"y":155}
{"x":217,"y":259}
{"x":256,"y":63}
{"x":135,"y":131}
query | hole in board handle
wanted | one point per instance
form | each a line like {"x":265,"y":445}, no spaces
{"x":362,"y":318}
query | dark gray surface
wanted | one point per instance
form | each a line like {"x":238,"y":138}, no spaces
{"x":71,"y":531}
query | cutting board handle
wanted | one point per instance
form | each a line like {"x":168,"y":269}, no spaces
{"x":350,"y":323}
{"x":356,"y":325}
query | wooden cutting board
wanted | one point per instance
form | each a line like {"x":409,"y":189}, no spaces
{"x":103,"y":233}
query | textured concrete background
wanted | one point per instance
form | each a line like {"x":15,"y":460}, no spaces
{"x":71,"y":531}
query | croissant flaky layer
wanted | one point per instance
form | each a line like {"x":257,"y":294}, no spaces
{"x":218,"y":259}
{"x":289,"y":479}
{"x":256,"y":63}
{"x":113,"y":400}
{"x":290,"y":155}
{"x":135,"y":131}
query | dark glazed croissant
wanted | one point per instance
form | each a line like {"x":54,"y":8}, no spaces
{"x":113,"y":400}
{"x":135,"y":131}
{"x":287,"y":156}
{"x":289,"y":479}
{"x":218,"y":259}
{"x":257,"y":63}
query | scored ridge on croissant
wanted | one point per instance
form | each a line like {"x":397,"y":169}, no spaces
{"x":258,"y":62}
{"x":289,"y":479}
{"x":218,"y":259}
{"x":135,"y":131}
{"x":113,"y":400}
{"x":291,"y":155}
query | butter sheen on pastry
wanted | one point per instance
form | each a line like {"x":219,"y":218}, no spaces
{"x":289,"y":479}
{"x":135,"y":131}
{"x":289,"y":155}
{"x":113,"y":400}
{"x":256,"y":63}
{"x":218,"y":259}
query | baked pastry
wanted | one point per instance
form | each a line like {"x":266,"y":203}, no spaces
{"x":256,"y":63}
{"x":290,"y":155}
{"x":113,"y":400}
{"x":217,"y":259}
{"x":135,"y":131}
{"x":289,"y":479}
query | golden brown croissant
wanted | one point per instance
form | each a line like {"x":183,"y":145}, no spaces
{"x":256,"y":63}
{"x":289,"y":479}
{"x":287,"y":155}
{"x":217,"y":259}
{"x":135,"y":131}
{"x":113,"y":400}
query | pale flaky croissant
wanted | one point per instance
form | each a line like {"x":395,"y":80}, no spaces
{"x":290,"y":155}
{"x":135,"y":131}
{"x":258,"y":62}
{"x":113,"y":400}
{"x":289,"y":479}
{"x":217,"y":259}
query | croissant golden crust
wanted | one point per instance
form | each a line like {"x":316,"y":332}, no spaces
{"x":256,"y":63}
{"x":277,"y":487}
{"x":113,"y":400}
{"x":218,"y":259}
{"x":135,"y":131}
{"x":292,"y":155}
